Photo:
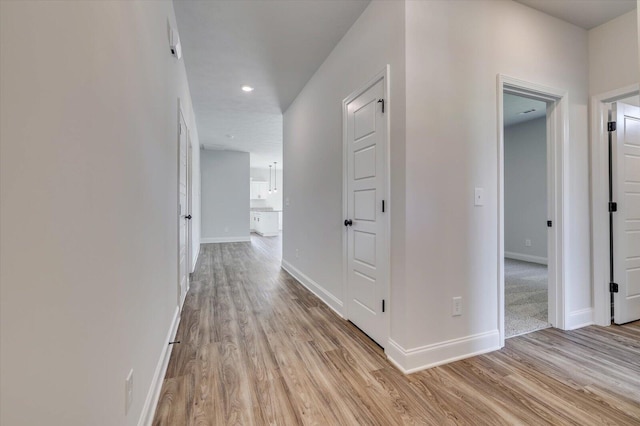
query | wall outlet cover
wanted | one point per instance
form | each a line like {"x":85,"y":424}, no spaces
{"x":457,"y":306}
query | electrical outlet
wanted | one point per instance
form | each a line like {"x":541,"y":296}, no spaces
{"x":226,"y":229}
{"x":128,"y":390}
{"x":286,"y":201}
{"x":527,"y":242}
{"x":457,"y":306}
{"x":297,"y":253}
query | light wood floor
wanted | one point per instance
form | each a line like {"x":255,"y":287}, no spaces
{"x":257,"y":348}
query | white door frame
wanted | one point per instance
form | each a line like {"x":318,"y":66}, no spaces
{"x":384,"y":75}
{"x":600,"y":199}
{"x":557,"y":178}
{"x":181,"y":118}
{"x":190,"y":262}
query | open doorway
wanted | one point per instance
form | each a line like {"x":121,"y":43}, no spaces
{"x":526,"y":278}
{"x":556,"y":117}
{"x":266,"y":202}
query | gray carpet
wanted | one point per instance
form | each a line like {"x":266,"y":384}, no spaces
{"x":525,"y":297}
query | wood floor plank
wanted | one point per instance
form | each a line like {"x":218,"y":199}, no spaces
{"x":257,"y":348}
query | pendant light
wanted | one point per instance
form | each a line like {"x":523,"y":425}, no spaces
{"x":269,"y":178}
{"x":275,"y":176}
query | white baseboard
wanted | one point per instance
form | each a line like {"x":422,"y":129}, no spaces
{"x":150,"y":404}
{"x":328,"y":298}
{"x":216,"y":240}
{"x":412,"y":360}
{"x":268,"y":234}
{"x":526,"y":257}
{"x":580,"y":318}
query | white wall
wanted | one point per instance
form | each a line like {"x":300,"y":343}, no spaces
{"x":525,"y":190}
{"x":452,"y":148}
{"x":225,"y":196}
{"x":613,"y":54}
{"x":88,"y":219}
{"x":313,"y":148}
{"x":441,"y":245}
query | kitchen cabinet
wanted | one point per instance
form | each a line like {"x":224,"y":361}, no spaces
{"x":264,"y":223}
{"x":259,"y":190}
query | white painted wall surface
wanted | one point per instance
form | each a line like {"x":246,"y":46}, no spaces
{"x":225,"y":196}
{"x":613,"y":54}
{"x":441,"y":245}
{"x":455,"y":49}
{"x":88,"y":219}
{"x":525,"y":189}
{"x":313,"y":222}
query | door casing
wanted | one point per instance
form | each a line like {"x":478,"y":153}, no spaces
{"x":386,"y":219}
{"x":600,"y":198}
{"x":187,"y":268}
{"x":557,"y":166}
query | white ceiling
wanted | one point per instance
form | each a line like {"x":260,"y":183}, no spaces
{"x":583,"y":13}
{"x":276,"y":46}
{"x":273,"y":45}
{"x":514,"y":106}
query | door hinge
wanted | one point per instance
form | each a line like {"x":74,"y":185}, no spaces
{"x":382,"y":305}
{"x":611,"y":126}
{"x":382,"y":206}
{"x":613,"y":287}
{"x":549,"y":224}
{"x":613,"y":207}
{"x":381,"y":101}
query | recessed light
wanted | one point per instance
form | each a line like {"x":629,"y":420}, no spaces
{"x":230,"y":136}
{"x":247,"y":88}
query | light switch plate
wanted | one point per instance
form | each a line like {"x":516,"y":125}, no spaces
{"x":478,"y":197}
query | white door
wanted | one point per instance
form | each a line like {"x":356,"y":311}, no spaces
{"x":626,"y":225}
{"x":366,"y":188}
{"x":190,"y":261}
{"x":183,"y":217}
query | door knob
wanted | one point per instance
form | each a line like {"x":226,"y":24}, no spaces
{"x":348,"y":222}
{"x":188,"y":217}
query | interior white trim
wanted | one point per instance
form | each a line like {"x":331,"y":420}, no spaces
{"x":384,"y":75}
{"x":217,"y":240}
{"x":151,"y":402}
{"x":412,"y":360}
{"x":328,"y":298}
{"x":557,"y":140}
{"x":579,"y":318}
{"x":599,"y":200}
{"x":268,"y":234}
{"x":526,"y":257}
{"x":194,"y":260}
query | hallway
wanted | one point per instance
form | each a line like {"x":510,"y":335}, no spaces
{"x":258,"y":348}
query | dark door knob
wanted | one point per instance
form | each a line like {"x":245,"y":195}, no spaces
{"x":348,"y":222}
{"x":188,"y":217}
